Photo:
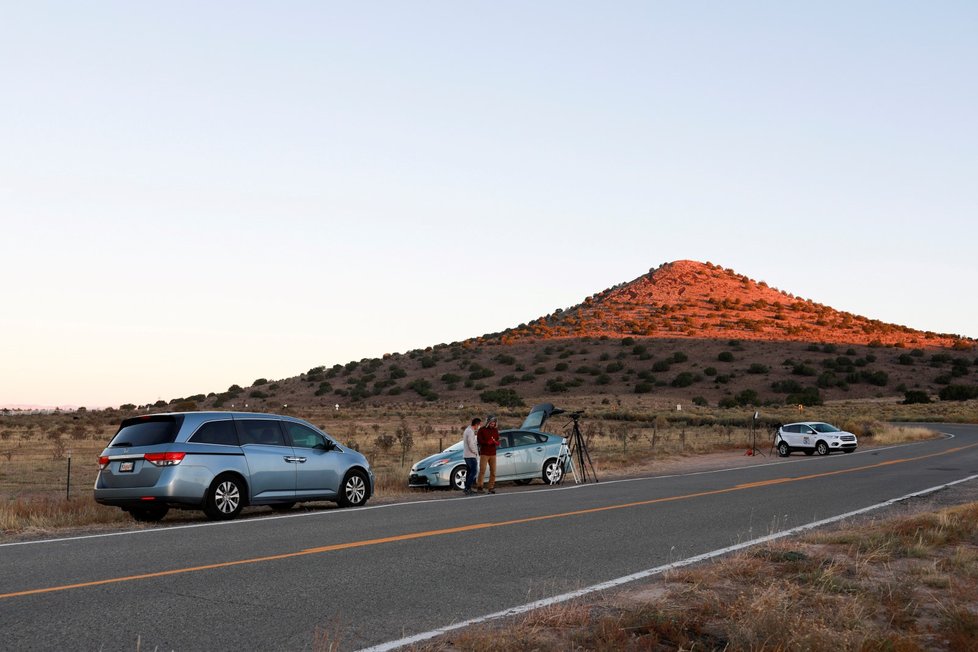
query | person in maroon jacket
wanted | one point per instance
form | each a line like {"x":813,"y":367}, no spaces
{"x":488,"y":437}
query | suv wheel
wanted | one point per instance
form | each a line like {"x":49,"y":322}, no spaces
{"x":225,"y":498}
{"x":783,"y":449}
{"x":822,"y":448}
{"x":353,"y":491}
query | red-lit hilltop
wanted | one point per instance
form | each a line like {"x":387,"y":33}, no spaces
{"x":701,"y":300}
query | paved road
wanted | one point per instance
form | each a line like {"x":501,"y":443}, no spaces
{"x":379,"y":573}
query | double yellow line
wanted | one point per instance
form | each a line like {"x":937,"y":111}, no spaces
{"x":466,"y":528}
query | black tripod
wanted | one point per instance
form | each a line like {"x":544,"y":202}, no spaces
{"x":578,"y":450}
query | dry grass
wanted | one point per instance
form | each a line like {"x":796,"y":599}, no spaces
{"x":904,"y":583}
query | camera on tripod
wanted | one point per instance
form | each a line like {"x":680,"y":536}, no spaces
{"x":575,"y":446}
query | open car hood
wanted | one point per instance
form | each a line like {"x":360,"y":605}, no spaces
{"x":538,"y":416}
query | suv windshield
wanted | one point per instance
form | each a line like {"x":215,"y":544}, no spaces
{"x":824,"y":427}
{"x":146,"y":431}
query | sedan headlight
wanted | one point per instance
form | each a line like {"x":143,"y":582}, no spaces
{"x":441,"y":463}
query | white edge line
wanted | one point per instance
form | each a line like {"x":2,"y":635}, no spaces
{"x":513,"y":611}
{"x":334,"y":512}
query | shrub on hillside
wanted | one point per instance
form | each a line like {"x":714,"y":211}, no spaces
{"x":502,"y":397}
{"x":742,"y":399}
{"x":685,"y":379}
{"x":556,"y":385}
{"x":958,"y":392}
{"x":725,"y":356}
{"x":804,"y":370}
{"x":807,"y":396}
{"x":915,"y":396}
{"x":786,"y":386}
{"x":423,"y":388}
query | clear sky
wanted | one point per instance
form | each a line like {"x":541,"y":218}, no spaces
{"x":195,"y":194}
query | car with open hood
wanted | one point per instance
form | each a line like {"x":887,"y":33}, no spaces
{"x":523,"y":455}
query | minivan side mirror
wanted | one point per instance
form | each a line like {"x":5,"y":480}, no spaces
{"x":327,"y":445}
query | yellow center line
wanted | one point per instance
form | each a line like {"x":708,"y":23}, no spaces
{"x":469,"y":528}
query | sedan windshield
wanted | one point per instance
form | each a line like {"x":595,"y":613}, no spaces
{"x":825,"y":427}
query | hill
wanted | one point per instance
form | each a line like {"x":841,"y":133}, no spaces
{"x":684,"y":332}
{"x":701,"y":300}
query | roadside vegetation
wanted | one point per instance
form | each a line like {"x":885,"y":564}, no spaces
{"x":900,"y":583}
{"x":626,"y":436}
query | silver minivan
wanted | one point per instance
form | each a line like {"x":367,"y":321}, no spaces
{"x":221,"y":461}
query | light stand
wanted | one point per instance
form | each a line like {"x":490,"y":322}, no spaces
{"x":754,"y":450}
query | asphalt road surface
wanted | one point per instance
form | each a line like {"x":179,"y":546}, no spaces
{"x":367,"y":576}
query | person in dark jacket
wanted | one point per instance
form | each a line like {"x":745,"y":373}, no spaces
{"x":488,"y":437}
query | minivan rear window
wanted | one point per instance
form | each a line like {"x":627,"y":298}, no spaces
{"x":147,"y":431}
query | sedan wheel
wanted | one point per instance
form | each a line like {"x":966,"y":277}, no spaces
{"x":225,"y":498}
{"x":822,"y":448}
{"x":353,"y":493}
{"x":783,"y":449}
{"x":457,"y":479}
{"x":553,"y":473}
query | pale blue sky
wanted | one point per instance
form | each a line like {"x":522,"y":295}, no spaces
{"x":199,"y":194}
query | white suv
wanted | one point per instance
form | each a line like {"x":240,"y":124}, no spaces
{"x":813,"y":437}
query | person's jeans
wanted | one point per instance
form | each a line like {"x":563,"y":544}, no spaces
{"x":471,"y":469}
{"x":487,"y":461}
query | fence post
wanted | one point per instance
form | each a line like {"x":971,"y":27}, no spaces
{"x":68,"y":480}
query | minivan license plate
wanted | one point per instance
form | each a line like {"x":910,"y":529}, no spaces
{"x":126,"y":467}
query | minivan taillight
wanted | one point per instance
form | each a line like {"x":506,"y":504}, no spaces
{"x":164,"y":459}
{"x":103,"y":462}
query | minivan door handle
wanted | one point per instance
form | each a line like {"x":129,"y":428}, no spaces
{"x":292,"y":459}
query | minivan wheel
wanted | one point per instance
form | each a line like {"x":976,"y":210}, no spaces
{"x":225,"y":498}
{"x":822,"y":448}
{"x":553,"y":473}
{"x":152,"y":514}
{"x":353,"y":491}
{"x":457,"y":478}
{"x":783,"y":449}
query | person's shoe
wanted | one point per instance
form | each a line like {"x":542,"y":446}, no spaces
{"x":466,"y":491}
{"x":479,"y":490}
{"x":492,"y":491}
